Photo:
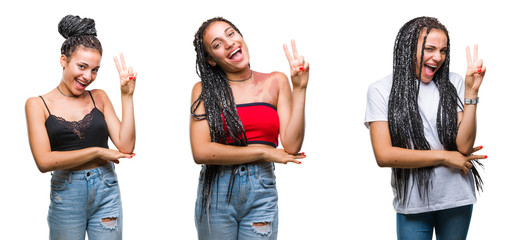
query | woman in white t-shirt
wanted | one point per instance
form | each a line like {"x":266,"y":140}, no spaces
{"x":422,"y":125}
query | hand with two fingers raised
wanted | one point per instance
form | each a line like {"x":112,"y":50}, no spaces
{"x":299,"y":67}
{"x":474,"y":74}
{"x":127,"y":76}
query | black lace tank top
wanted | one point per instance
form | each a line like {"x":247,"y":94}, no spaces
{"x":65,"y":135}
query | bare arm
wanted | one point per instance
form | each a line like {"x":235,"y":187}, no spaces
{"x":207,"y":152}
{"x":122,"y":133}
{"x":47,"y":160}
{"x":468,"y":127}
{"x":395,"y":157}
{"x":291,"y":107}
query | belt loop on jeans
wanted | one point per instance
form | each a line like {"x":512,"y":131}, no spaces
{"x":256,"y":171}
{"x":70,"y":174}
{"x":100,"y":172}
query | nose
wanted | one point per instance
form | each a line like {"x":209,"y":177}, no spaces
{"x":437,"y":56}
{"x":230,"y":44}
{"x":87,"y":75}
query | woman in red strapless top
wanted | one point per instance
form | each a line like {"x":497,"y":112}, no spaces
{"x":237,"y":115}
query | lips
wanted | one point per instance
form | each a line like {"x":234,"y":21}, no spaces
{"x":236,"y":55}
{"x":430,"y":69}
{"x":81,"y":84}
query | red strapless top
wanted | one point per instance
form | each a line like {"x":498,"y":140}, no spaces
{"x":260,"y":122}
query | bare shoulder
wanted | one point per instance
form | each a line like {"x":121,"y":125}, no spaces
{"x":197,"y":90}
{"x":34,"y":102}
{"x":99,"y":93}
{"x":34,"y":106}
{"x":280,"y":78}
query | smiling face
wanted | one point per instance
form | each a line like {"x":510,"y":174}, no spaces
{"x":434,"y":53}
{"x":226,"y":47}
{"x":79,"y":70}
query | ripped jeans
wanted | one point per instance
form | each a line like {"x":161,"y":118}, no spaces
{"x":85,"y":201}
{"x":252,"y":212}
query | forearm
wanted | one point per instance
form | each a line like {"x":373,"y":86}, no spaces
{"x":294,"y":133}
{"x":127,"y":134}
{"x":467,"y":130}
{"x":221,"y":154}
{"x":467,"y":127}
{"x":395,"y":157}
{"x":57,"y":160}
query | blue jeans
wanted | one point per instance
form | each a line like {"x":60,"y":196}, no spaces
{"x":449,"y":224}
{"x":85,"y":201}
{"x":252,"y":212}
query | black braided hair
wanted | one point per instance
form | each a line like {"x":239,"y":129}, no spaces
{"x":219,"y":103}
{"x":405,"y":123}
{"x":79,"y":32}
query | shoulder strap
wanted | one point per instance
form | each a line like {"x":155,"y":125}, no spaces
{"x":91,"y":95}
{"x":45,"y":105}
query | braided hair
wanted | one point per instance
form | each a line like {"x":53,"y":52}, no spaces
{"x":220,"y":110}
{"x":405,"y":123}
{"x":79,"y":32}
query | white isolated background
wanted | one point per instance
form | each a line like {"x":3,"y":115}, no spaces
{"x":338,"y":192}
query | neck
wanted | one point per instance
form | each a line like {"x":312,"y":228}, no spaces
{"x":243,"y":75}
{"x":64,"y":91}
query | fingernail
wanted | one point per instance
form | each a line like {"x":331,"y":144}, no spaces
{"x":481,"y":147}
{"x":302,"y":69}
{"x":299,"y":162}
{"x":130,"y":78}
{"x":485,"y":156}
{"x":479,"y":71}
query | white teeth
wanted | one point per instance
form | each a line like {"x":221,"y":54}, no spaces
{"x":432,"y":66}
{"x":83,"y":83}
{"x":234,"y":52}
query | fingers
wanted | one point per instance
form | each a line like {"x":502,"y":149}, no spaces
{"x":122,"y":58}
{"x":475,"y":54}
{"x":477,"y":149}
{"x":293,"y":47}
{"x":288,"y":55}
{"x":117,"y":63}
{"x":476,"y":157}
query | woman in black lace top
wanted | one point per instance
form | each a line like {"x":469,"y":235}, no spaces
{"x":68,"y":131}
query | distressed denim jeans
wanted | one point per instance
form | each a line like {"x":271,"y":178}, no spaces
{"x":85,"y":201}
{"x":252,"y":212}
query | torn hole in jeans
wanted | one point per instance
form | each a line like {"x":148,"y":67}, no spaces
{"x":262,"y":228}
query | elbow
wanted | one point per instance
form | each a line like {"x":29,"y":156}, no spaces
{"x":292,"y":148}
{"x":42,"y":167}
{"x":383,"y":161}
{"x":200,"y":157}
{"x":465,"y":150}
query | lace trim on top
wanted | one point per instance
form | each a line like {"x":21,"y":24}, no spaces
{"x":77,"y":127}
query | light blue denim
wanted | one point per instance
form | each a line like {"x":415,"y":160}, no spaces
{"x":79,"y":200}
{"x":449,"y":224}
{"x":254,"y":200}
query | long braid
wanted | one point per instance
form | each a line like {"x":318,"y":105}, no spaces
{"x":220,"y":108}
{"x":405,"y":123}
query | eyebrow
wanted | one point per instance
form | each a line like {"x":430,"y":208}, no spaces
{"x":216,"y":38}
{"x":87,"y":65}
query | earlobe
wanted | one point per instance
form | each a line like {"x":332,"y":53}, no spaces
{"x":210,"y":61}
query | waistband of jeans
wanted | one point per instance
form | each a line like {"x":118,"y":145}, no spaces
{"x":107,"y":168}
{"x":247,"y":169}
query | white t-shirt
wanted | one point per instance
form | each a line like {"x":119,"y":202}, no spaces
{"x":451,"y":188}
